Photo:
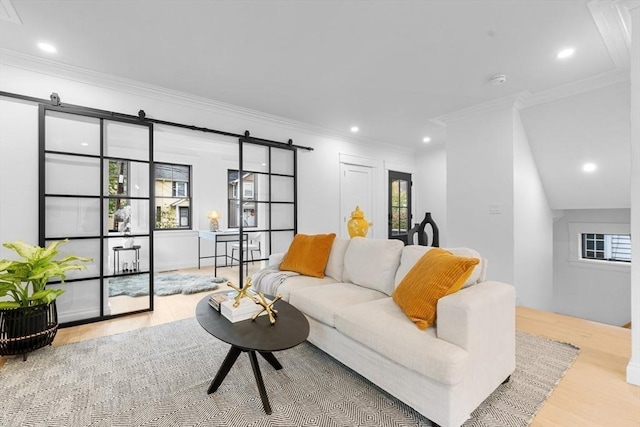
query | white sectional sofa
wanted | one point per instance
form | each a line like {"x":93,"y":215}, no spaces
{"x":443,"y":372}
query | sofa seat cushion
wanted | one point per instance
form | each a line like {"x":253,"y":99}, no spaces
{"x":383,"y":327}
{"x":322,"y":302}
{"x":301,"y":282}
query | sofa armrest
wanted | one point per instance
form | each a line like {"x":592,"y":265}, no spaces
{"x":481,"y":319}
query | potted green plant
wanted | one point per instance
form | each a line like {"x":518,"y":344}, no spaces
{"x":28,"y":315}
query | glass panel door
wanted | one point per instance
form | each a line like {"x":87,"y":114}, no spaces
{"x":127,"y":223}
{"x":94,"y":191}
{"x":262,"y":202}
{"x":399,"y":205}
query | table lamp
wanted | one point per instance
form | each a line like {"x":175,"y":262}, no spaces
{"x":213,"y":216}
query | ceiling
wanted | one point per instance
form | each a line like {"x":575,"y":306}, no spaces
{"x":396,"y":69}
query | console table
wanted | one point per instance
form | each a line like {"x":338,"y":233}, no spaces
{"x":135,"y":266}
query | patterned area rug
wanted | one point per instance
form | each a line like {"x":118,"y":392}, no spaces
{"x":163,"y":284}
{"x":159,"y":377}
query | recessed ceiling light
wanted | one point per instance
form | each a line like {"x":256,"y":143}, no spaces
{"x":426,"y":139}
{"x":46,"y":47}
{"x":354,"y":129}
{"x":84,"y":144}
{"x":589,"y":167}
{"x":565,"y":53}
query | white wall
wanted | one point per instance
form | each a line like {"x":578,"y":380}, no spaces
{"x":496,"y":202}
{"x":479,"y":174}
{"x":633,"y":369}
{"x":18,"y":173}
{"x":431,"y":179}
{"x":586,"y":289}
{"x":533,"y":226}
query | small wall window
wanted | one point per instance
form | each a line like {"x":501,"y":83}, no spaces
{"x":603,"y":246}
{"x":606,"y":247}
{"x":180,"y":189}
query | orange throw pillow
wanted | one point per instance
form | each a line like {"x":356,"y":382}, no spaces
{"x":436,"y":274}
{"x":308,"y":254}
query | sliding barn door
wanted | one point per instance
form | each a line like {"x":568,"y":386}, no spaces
{"x":95,"y":190}
{"x":262,"y":200}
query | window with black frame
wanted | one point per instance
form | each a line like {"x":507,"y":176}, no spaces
{"x":172,"y":196}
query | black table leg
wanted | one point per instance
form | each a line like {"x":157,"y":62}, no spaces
{"x":233,"y":354}
{"x":215,"y":256}
{"x":260,"y":382}
{"x":269,"y":357}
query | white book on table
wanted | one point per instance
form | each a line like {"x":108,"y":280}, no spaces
{"x":245,"y":310}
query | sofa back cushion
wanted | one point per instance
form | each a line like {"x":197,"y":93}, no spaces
{"x":372,"y":263}
{"x":412,"y":253}
{"x":335,"y":264}
{"x":308,"y":254}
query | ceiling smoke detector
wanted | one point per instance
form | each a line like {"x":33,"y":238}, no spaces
{"x":498,"y":79}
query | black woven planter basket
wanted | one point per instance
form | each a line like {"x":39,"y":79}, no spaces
{"x":25,"y":329}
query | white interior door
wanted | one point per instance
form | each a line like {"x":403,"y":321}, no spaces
{"x":356,"y":189}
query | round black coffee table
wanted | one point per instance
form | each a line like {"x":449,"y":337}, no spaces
{"x":291,"y":328}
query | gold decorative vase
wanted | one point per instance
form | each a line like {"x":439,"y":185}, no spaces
{"x":358,"y":225}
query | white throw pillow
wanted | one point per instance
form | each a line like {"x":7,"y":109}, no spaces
{"x":335,"y":264}
{"x":412,"y":253}
{"x":479,"y":271}
{"x":372,"y":263}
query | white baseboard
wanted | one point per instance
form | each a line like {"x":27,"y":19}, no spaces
{"x":633,"y":373}
{"x":167,"y":266}
{"x":72,"y":316}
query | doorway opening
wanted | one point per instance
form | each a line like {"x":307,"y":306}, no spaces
{"x":399,"y":205}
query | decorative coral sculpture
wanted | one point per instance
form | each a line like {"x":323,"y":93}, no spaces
{"x":267,"y":306}
{"x":242,"y":292}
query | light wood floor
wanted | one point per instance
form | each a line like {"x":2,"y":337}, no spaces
{"x":592,"y":393}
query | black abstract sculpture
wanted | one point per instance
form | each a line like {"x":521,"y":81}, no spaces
{"x":423,"y":238}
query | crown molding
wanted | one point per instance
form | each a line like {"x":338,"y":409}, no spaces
{"x":511,"y":101}
{"x":614,"y":23}
{"x":574,"y":88}
{"x":111,"y":82}
{"x":629,"y":4}
{"x":526,"y":99}
{"x":108,"y":81}
{"x":8,"y":12}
